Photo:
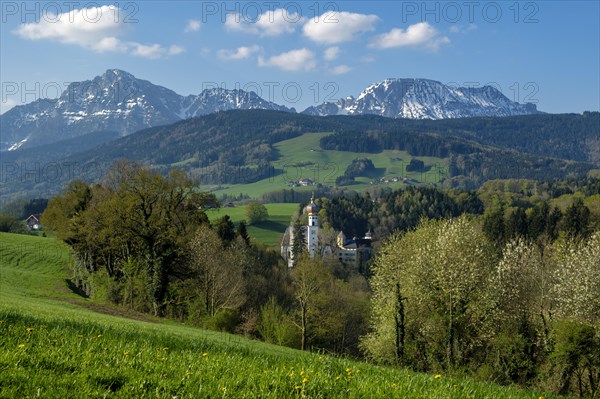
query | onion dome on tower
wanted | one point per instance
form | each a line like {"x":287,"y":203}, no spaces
{"x":312,"y":209}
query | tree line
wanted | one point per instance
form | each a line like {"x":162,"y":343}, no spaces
{"x":142,"y":240}
{"x":507,"y":208}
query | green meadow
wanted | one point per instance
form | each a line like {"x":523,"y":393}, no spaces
{"x":302,"y":157}
{"x":268,"y":232}
{"x":56,"y":344}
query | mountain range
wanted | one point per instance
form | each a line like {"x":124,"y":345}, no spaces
{"x":115,"y":101}
{"x":424,"y":99}
{"x":119,"y":102}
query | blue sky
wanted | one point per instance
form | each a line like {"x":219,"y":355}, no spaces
{"x":303,"y":53}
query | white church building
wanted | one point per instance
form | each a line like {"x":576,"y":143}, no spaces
{"x":348,"y":252}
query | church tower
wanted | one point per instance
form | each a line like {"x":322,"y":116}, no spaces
{"x":312,"y":230}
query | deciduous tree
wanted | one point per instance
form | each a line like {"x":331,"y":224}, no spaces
{"x":437,"y":276}
{"x":308,"y":277}
{"x":217,"y":272}
{"x":256,"y":212}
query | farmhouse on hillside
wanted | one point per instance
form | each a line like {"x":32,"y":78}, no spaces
{"x":33,"y":222}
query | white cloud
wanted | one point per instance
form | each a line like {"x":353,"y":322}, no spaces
{"x":95,"y":28}
{"x":152,"y":51}
{"x":463,"y":29}
{"x":331,"y":53}
{"x":340,"y":69}
{"x":336,"y":27}
{"x":238,"y":54}
{"x":109,"y":44}
{"x":418,"y":35}
{"x":271,"y":23}
{"x":193,"y":25}
{"x":294,"y":60}
{"x":175,"y":49}
{"x":79,"y":26}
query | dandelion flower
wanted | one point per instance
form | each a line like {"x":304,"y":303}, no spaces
{"x":304,"y":380}
{"x":297,"y":387}
{"x":30,"y":329}
{"x":339,"y":377}
{"x":21,"y":345}
{"x":205,"y":354}
{"x":437,"y":376}
{"x":394,"y":385}
{"x":126,"y":353}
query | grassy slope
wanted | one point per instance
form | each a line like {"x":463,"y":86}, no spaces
{"x":268,"y":232}
{"x":73,"y":352}
{"x":327,"y":165}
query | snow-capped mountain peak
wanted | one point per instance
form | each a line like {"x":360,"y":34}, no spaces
{"x":115,"y":101}
{"x":425,"y":99}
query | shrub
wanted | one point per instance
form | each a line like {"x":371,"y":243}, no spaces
{"x":224,"y":320}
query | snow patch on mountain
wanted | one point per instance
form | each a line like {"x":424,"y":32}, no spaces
{"x":18,"y":145}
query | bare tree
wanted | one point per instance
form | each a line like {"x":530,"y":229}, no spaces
{"x":218,"y":272}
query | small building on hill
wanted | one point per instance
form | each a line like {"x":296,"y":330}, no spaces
{"x":355,"y":251}
{"x":33,"y":222}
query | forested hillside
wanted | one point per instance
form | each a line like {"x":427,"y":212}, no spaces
{"x":236,"y":147}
